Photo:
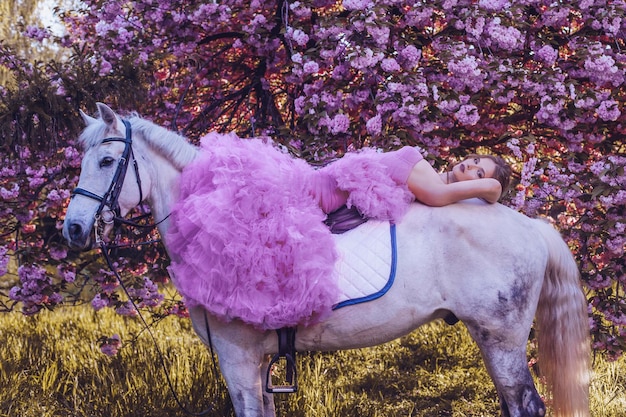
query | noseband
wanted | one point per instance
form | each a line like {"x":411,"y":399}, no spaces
{"x":111,"y":197}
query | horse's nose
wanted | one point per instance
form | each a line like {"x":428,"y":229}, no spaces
{"x":75,"y":231}
{"x":77,"y":235}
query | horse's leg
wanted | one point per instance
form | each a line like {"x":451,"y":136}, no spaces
{"x":240,"y":350}
{"x":505,"y":358}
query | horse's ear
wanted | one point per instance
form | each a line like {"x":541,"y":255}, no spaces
{"x":86,"y":118}
{"x":107,"y":115}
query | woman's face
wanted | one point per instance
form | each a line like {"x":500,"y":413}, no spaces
{"x":474,"y":168}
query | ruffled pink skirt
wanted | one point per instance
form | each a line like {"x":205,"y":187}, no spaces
{"x":247,"y":238}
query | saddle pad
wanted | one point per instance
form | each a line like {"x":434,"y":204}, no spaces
{"x":367,"y":263}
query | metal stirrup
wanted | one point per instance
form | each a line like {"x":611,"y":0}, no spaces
{"x":286,"y":351}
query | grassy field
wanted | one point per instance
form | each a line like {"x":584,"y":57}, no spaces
{"x":50,"y":365}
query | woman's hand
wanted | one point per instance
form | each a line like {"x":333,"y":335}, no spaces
{"x":491,"y":189}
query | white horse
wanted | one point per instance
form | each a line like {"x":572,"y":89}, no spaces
{"x":491,"y":267}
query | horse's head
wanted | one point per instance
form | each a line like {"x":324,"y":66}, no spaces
{"x":109,"y":184}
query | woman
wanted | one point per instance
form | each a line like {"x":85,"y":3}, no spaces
{"x":478,"y":176}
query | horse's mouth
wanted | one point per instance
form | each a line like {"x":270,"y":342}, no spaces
{"x":83,"y":246}
{"x":85,"y":238}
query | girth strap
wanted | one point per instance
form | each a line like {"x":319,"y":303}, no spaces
{"x":286,"y":351}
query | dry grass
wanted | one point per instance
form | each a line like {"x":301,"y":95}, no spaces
{"x":50,"y":365}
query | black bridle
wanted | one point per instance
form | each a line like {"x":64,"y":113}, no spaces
{"x":111,"y":197}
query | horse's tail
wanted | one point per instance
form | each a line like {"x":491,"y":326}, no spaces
{"x":563,"y":330}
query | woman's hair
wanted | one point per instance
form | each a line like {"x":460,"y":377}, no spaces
{"x":502,"y":172}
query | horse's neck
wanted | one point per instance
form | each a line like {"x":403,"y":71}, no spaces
{"x":164,"y":191}
{"x":165,"y":154}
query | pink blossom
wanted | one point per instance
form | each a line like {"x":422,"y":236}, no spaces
{"x":466,"y":73}
{"x":123,"y":36}
{"x":449,"y":4}
{"x":368,"y":58}
{"x":467,"y":115}
{"x":475,"y":27}
{"x":598,"y":168}
{"x":390,"y":65}
{"x":513,"y":145}
{"x":448,"y":106}
{"x":36,"y":33}
{"x":419,"y":16}
{"x":127,"y":309}
{"x":24,"y":152}
{"x":612,"y":25}
{"x":311,"y":67}
{"x":380,"y":34}
{"x":4,"y":260}
{"x":331,"y":100}
{"x":73,"y":156}
{"x":339,"y":124}
{"x":356,"y":4}
{"x":301,"y":10}
{"x":100,"y":301}
{"x":585,"y":103}
{"x":410,"y":56}
{"x":547,"y":54}
{"x":9,"y":194}
{"x":494,"y":5}
{"x":299,"y":104}
{"x":36,"y":290}
{"x":58,"y":252}
{"x":585,"y":4}
{"x":67,"y":272}
{"x":374,"y":125}
{"x":110,"y":346}
{"x":506,"y":37}
{"x":616,"y":245}
{"x":53,"y":196}
{"x":148,"y":294}
{"x":556,"y":16}
{"x":179,"y":309}
{"x":298,"y":36}
{"x":105,"y":68}
{"x":608,"y":110}
{"x":599,"y":282}
{"x":602,"y":70}
{"x":107,"y":280}
{"x":60,"y":89}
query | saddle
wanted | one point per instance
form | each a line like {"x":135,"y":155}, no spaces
{"x":344,"y":219}
{"x":339,"y":221}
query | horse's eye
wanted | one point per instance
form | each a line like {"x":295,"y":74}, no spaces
{"x":106,"y":162}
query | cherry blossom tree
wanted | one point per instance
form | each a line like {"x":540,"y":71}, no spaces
{"x":539,"y":82}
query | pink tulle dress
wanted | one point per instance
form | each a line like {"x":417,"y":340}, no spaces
{"x":247,"y":238}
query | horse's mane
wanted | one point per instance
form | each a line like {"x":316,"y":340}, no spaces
{"x":172,"y":146}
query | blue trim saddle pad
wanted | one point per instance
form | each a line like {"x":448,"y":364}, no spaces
{"x":367,"y":265}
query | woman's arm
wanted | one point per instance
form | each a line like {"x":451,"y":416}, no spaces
{"x":430,"y":189}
